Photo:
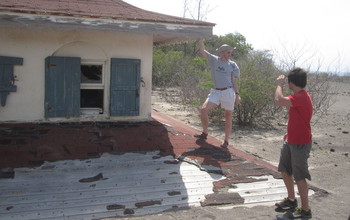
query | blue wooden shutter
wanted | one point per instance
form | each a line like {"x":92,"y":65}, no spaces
{"x":125,"y":85}
{"x":7,"y":77}
{"x":62,"y":86}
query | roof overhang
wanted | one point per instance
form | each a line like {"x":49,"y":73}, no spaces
{"x":163,"y":33}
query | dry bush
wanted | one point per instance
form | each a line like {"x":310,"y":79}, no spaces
{"x":187,"y":81}
{"x":319,"y":88}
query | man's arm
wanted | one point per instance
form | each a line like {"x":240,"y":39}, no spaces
{"x":202,"y":49}
{"x":280,"y":99}
{"x":236,"y":89}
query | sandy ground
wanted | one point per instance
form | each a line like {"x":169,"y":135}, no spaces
{"x":329,"y":161}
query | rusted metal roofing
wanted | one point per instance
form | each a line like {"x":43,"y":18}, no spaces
{"x":131,"y":184}
{"x":182,"y":173}
{"x":112,"y":9}
{"x":120,"y":185}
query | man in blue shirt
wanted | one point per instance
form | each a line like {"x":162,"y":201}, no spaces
{"x":224,"y":74}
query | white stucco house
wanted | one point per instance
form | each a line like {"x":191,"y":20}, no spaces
{"x":81,"y":60}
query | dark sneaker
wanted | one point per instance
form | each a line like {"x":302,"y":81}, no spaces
{"x":287,"y":204}
{"x":301,"y":213}
{"x":202,"y":136}
{"x":224,"y":145}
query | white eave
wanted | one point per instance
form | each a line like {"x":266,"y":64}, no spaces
{"x":162,"y":32}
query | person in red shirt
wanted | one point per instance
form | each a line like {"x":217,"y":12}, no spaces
{"x":297,"y":142}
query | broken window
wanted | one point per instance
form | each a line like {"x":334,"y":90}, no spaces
{"x":91,"y":89}
{"x":74,"y":87}
{"x":91,"y":74}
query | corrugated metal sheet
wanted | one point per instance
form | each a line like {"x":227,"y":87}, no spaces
{"x":113,"y":185}
{"x":116,"y":185}
{"x":263,"y":191}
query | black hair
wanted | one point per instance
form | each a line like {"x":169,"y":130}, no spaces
{"x":298,"y":77}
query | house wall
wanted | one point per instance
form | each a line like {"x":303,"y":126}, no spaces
{"x":27,"y":103}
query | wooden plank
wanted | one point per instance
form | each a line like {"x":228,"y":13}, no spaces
{"x":8,"y":88}
{"x":125,"y":85}
{"x":62,"y":86}
{"x":4,"y":60}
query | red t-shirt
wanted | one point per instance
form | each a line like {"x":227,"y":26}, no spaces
{"x":299,"y":128}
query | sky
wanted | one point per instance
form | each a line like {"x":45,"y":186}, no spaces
{"x":314,"y":33}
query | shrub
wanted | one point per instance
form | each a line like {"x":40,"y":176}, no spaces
{"x":185,"y":78}
{"x":256,"y":89}
{"x":166,"y":65}
{"x":320,"y":90}
{"x":179,"y":76}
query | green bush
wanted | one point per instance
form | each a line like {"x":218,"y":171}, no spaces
{"x":257,"y":87}
{"x":185,"y":78}
{"x":174,"y":72}
{"x":166,"y":65}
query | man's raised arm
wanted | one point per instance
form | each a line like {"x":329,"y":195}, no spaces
{"x":202,"y":48}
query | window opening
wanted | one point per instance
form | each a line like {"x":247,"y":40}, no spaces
{"x":91,"y":89}
{"x":91,"y":74}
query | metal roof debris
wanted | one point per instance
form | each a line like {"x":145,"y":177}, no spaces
{"x":109,"y":186}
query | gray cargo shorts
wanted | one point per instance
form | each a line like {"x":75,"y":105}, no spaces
{"x":293,"y":160}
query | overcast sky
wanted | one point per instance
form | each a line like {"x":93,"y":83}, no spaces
{"x":317,"y":32}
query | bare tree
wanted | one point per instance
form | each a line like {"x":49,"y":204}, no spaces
{"x":196,"y":9}
{"x":319,"y":82}
{"x":288,"y":56}
{"x":185,"y":8}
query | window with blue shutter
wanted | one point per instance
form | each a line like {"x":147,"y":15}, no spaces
{"x":62,"y":86}
{"x":92,"y":88}
{"x":125,"y":87}
{"x":7,"y":77}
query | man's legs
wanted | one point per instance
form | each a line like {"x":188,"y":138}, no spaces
{"x":304,"y":194}
{"x":302,"y":188}
{"x":228,"y":124}
{"x":289,"y":203}
{"x":289,"y":183}
{"x":206,"y":108}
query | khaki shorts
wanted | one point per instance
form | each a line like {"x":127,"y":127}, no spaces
{"x":293,"y":160}
{"x":225,"y":98}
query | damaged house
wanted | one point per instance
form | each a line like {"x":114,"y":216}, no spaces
{"x":82,"y":60}
{"x":73,"y":63}
{"x":76,"y":83}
